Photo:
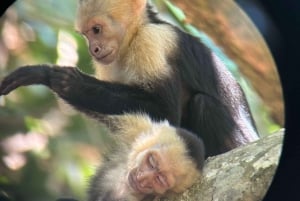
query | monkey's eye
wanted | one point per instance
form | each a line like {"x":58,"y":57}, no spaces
{"x":152,"y":162}
{"x":96,"y":29}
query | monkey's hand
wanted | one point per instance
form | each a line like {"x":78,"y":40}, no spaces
{"x":68,"y":82}
{"x":24,"y":76}
{"x":65,"y":81}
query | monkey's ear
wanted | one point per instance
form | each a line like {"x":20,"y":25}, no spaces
{"x":138,"y":6}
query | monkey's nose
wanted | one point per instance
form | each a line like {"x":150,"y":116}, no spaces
{"x":95,"y":50}
{"x":145,"y":178}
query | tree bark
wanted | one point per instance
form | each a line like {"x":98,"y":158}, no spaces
{"x":231,"y":29}
{"x":244,"y":173}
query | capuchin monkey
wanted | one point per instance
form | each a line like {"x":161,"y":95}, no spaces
{"x":144,"y":64}
{"x":148,"y":160}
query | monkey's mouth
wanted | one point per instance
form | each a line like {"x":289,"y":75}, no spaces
{"x":134,"y":184}
{"x":106,"y":57}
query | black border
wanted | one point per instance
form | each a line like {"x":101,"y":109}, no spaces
{"x":286,"y":15}
{"x":5,"y":6}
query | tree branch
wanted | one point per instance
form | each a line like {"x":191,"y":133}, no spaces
{"x":244,"y":173}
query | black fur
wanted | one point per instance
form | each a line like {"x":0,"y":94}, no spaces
{"x":194,"y":145}
{"x":153,"y":15}
{"x":91,"y":95}
{"x":211,"y":110}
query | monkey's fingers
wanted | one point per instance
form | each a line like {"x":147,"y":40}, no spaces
{"x":23,"y":76}
{"x":65,"y":81}
{"x":9,"y":84}
{"x":14,"y":80}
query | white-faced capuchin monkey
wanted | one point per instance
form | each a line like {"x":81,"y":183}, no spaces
{"x":144,"y":64}
{"x":148,"y":160}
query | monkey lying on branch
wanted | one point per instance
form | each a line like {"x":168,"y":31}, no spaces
{"x":149,"y":159}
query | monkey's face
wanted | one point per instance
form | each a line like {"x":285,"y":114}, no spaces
{"x":104,"y":37}
{"x":106,"y":24}
{"x":152,"y":175}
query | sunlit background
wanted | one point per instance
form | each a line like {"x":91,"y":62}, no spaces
{"x":47,"y":149}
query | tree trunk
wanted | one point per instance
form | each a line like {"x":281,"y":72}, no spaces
{"x":244,"y":173}
{"x":232,"y":30}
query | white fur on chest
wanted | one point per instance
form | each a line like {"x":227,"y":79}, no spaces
{"x":146,"y":58}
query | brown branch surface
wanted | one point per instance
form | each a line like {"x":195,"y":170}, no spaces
{"x":234,"y":32}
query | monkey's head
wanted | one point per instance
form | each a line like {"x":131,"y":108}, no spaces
{"x":108,"y":25}
{"x":160,"y":161}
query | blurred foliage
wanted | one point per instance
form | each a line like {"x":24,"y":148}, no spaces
{"x":48,"y":149}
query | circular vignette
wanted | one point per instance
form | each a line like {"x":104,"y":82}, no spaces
{"x":286,"y":18}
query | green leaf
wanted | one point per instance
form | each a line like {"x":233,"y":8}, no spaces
{"x":33,"y":124}
{"x":178,"y":13}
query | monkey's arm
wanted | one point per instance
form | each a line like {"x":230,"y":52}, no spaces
{"x":87,"y":93}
